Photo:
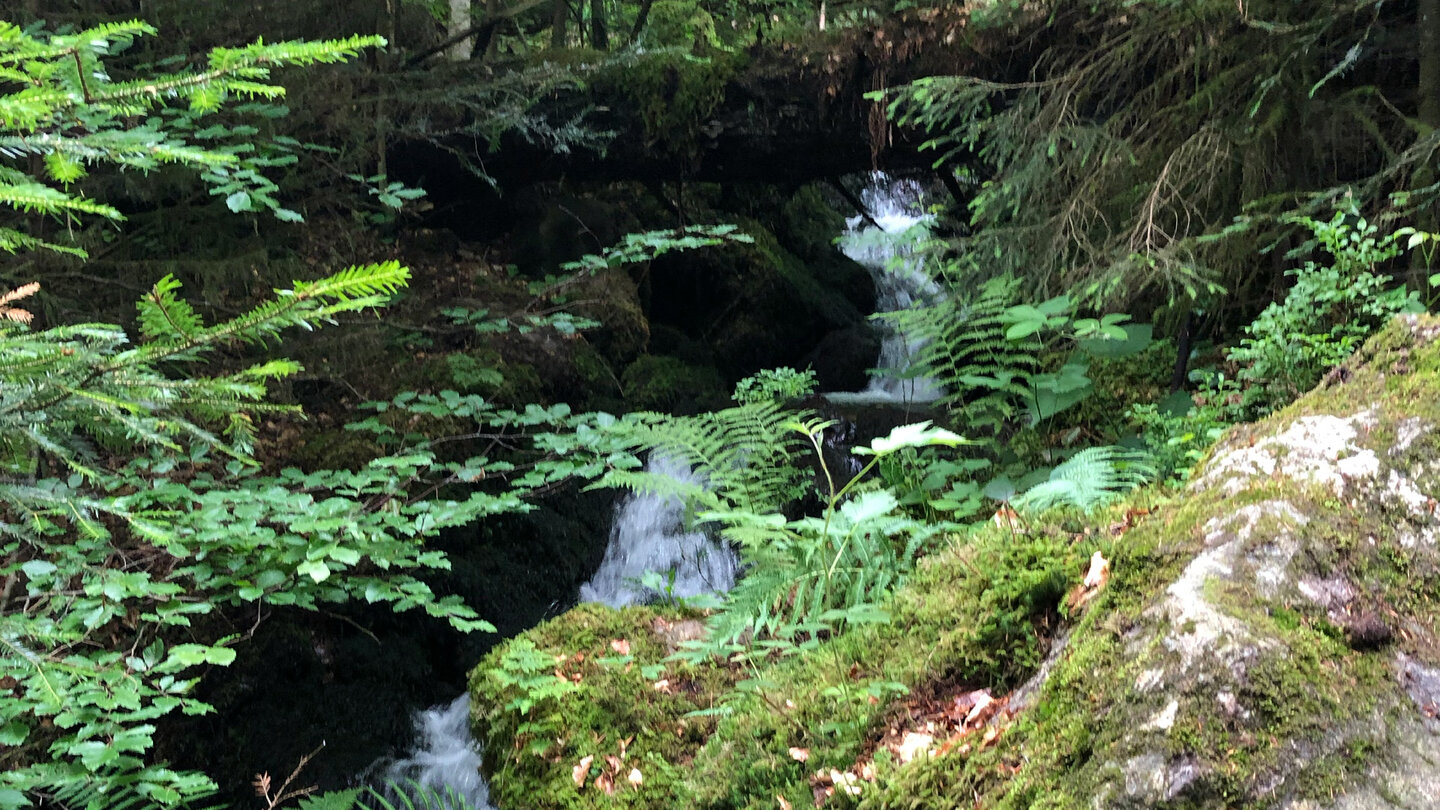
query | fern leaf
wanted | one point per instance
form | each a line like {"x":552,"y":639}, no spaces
{"x":1088,"y":479}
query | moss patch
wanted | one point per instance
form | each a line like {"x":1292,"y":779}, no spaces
{"x":624,"y":709}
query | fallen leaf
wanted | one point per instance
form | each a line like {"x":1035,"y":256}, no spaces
{"x":784,"y":805}
{"x":800,"y":754}
{"x":622,"y":646}
{"x":867,"y":772}
{"x":605,"y":783}
{"x":636,"y":778}
{"x":991,"y":735}
{"x":582,"y":770}
{"x":1007,"y":518}
{"x":848,"y":782}
{"x":983,"y":701}
{"x":913,"y":744}
{"x":614,"y":762}
{"x":1099,"y":572}
{"x":661,"y":686}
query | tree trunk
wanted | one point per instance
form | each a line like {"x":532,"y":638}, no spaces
{"x":640,"y":19}
{"x":1427,"y":19}
{"x":558,"y":16}
{"x":492,"y":12}
{"x":1428,"y":15}
{"x":460,"y":21}
{"x":599,"y":35}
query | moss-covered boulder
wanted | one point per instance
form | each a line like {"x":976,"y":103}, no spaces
{"x":1267,"y":638}
{"x":583,"y":711}
{"x":1267,"y":641}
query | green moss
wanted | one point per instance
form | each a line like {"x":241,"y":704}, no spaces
{"x":661,"y":382}
{"x":674,"y":92}
{"x":615,"y":709}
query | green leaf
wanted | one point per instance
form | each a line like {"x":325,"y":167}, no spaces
{"x":315,"y":569}
{"x":238,"y":202}
{"x":14,"y":733}
{"x":1132,"y":339}
{"x":38,"y":569}
{"x":918,"y":434}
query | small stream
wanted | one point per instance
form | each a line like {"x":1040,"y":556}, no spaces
{"x":884,"y":248}
{"x":649,"y":533}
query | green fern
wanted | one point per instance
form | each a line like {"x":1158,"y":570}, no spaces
{"x":403,"y":795}
{"x":985,"y":374}
{"x":1090,"y":478}
{"x":745,"y":455}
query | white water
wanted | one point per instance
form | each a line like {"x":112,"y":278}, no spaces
{"x":649,"y":535}
{"x":900,"y":283}
{"x":445,"y":759}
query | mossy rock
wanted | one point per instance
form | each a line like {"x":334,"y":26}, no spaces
{"x":612,"y":298}
{"x":1270,"y":637}
{"x":617,"y":734}
{"x":1268,"y":641}
{"x":664,"y":383}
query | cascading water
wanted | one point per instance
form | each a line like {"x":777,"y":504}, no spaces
{"x":446,"y":759}
{"x":883,"y":245}
{"x":649,"y":535}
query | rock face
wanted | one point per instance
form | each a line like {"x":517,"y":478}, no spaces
{"x":1290,"y":660}
{"x":1267,"y":639}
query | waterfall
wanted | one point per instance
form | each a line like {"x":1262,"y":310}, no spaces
{"x":649,"y":536}
{"x":883,"y":247}
{"x":445,"y":759}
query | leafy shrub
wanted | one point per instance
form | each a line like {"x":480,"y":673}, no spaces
{"x":775,"y":385}
{"x":1326,"y":315}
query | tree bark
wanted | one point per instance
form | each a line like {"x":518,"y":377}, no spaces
{"x":1428,"y":19}
{"x":558,"y":16}
{"x":460,"y":21}
{"x":599,"y":34}
{"x":640,"y":18}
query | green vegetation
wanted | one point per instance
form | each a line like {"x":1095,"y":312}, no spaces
{"x":1164,"y":219}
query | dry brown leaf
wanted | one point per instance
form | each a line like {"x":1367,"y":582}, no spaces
{"x":636,"y":778}
{"x":1007,"y":518}
{"x":606,"y":783}
{"x":912,"y":745}
{"x":991,"y":735}
{"x":662,"y":685}
{"x":614,"y":763}
{"x":23,"y":291}
{"x":620,"y":646}
{"x":983,"y":701}
{"x":1099,"y":572}
{"x":846,"y":781}
{"x":581,"y":771}
{"x":800,"y":754}
{"x":784,"y":805}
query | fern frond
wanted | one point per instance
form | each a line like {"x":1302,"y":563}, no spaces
{"x":1090,"y":478}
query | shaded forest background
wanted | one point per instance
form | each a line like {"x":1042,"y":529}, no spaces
{"x":1163,"y":160}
